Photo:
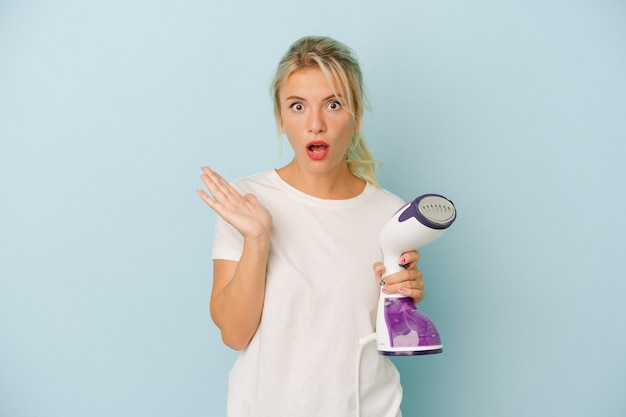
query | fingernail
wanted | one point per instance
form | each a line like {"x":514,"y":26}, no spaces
{"x":402,"y":260}
{"x":379,"y":268}
{"x":385,"y":290}
{"x":402,"y":290}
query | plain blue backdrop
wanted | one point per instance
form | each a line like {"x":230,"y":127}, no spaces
{"x":516,"y":110}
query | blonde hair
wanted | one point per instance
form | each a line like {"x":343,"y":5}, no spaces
{"x":341,"y":68}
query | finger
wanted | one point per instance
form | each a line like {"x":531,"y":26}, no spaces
{"x":408,"y":289}
{"x":217,"y":199}
{"x":379,"y":268}
{"x":416,"y":294}
{"x":207,"y":199}
{"x":409,"y":259}
{"x":219,"y":188}
{"x":225,"y":197}
{"x":404,"y":275}
{"x":407,"y":279}
{"x":214,"y":189}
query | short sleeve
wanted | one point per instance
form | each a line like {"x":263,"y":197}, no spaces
{"x":227,"y":241}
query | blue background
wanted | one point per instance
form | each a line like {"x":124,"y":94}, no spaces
{"x":514,"y":109}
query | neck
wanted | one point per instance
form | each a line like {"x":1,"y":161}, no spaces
{"x":338,"y":184}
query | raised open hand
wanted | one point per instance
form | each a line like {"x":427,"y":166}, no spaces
{"x":245,"y":213}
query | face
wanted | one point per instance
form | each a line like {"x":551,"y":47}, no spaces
{"x":318,"y":127}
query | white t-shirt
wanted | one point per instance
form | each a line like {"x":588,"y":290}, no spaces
{"x":320,"y":299}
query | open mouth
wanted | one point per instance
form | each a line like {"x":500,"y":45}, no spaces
{"x":317,"y":148}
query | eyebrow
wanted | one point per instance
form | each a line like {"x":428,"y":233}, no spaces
{"x":332,"y":96}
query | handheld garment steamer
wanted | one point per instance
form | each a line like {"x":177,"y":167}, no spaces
{"x":402,"y":329}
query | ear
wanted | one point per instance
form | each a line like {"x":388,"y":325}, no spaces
{"x":281,"y":124}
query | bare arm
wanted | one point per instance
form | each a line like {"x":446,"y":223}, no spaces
{"x":238,"y":287}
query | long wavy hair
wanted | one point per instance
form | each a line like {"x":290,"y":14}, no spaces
{"x":343,"y":72}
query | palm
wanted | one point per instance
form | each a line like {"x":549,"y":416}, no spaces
{"x":245,"y":213}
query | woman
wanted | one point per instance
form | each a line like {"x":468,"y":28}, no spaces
{"x":293,"y":250}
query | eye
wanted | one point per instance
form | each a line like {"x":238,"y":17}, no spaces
{"x":334,"y":105}
{"x":297,"y":107}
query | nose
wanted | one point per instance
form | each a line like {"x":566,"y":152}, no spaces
{"x":316,"y":122}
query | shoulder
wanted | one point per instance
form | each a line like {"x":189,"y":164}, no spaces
{"x":253,"y":182}
{"x":383,"y":195}
{"x":265,"y":186}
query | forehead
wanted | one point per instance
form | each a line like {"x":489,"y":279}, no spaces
{"x":311,"y":81}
